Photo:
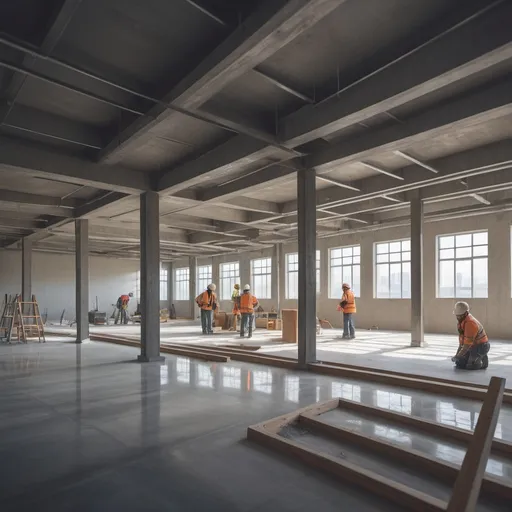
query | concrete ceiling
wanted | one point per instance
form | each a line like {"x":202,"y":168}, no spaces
{"x":215,"y":104}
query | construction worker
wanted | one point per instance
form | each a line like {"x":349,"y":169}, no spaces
{"x":122,"y":308}
{"x":473,"y":341}
{"x":348,"y":307}
{"x":247,"y":304}
{"x":207,"y":301}
{"x":235,"y":299}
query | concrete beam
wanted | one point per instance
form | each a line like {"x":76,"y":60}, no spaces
{"x":271,"y":27}
{"x":470,"y":48}
{"x":26,"y":119}
{"x":98,"y":203}
{"x":22,"y":224}
{"x":252,"y":205}
{"x":39,"y":200}
{"x":479,"y":107}
{"x":39,"y":161}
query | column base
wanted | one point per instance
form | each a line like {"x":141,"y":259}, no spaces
{"x":419,"y":344}
{"x":146,"y":359}
{"x":79,"y":342}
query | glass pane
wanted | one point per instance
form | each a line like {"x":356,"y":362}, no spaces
{"x":335,"y":283}
{"x":347,"y":261}
{"x":356,"y":280}
{"x":406,"y":280}
{"x":446,"y":279}
{"x":464,"y":252}
{"x":406,"y":245}
{"x":480,"y":278}
{"x":382,"y":282}
{"x":480,"y":250}
{"x":335,"y":253}
{"x":356,"y":250}
{"x":357,"y":260}
{"x":382,"y":258}
{"x":446,"y":254}
{"x":463,"y":240}
{"x":406,"y":256}
{"x":446,"y":242}
{"x":395,"y":281}
{"x":382,"y":248}
{"x":463,"y":286}
{"x":395,"y":256}
{"x":480,"y":238}
{"x":347,"y":251}
{"x":347,"y":275}
{"x":395,"y":247}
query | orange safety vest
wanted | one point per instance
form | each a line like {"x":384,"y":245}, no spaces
{"x":247,"y":303}
{"x":235,"y":298}
{"x":471,"y":331}
{"x":350,"y":299}
{"x":206,"y":300}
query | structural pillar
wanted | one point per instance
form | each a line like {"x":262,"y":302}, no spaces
{"x":192,"y":269}
{"x":417,"y":317}
{"x":26,"y":269}
{"x":276,"y":276}
{"x":306,"y":213}
{"x":150,"y":277}
{"x":82,"y":279}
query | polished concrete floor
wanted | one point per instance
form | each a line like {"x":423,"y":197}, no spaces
{"x":375,"y":349}
{"x":84,"y":428}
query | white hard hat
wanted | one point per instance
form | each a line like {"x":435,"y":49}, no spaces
{"x":461,"y":308}
{"x":212,"y":287}
{"x":247,"y":288}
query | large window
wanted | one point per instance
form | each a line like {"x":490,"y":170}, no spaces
{"x":393,"y":270}
{"x":344,"y":267}
{"x":204,"y":278}
{"x":229,"y":276}
{"x":292,"y":275}
{"x":261,"y":278}
{"x":462,"y":265}
{"x":181,"y":281}
{"x":164,"y":275}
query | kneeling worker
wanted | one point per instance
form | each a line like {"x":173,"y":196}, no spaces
{"x":247,"y":304}
{"x":473,"y":342}
{"x":207,"y":301}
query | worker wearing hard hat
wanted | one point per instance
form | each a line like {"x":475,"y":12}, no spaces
{"x":473,"y":341}
{"x":122,"y":308}
{"x":348,"y":308}
{"x":247,"y":304}
{"x":235,"y":299}
{"x":207,"y":301}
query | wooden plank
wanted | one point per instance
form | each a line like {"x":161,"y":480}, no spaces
{"x":499,"y":446}
{"x":349,"y":472}
{"x":468,"y":483}
{"x":440,"y":469}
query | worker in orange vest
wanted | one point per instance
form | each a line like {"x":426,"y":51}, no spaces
{"x":247,"y":304}
{"x":207,"y":301}
{"x":348,"y":307}
{"x":122,"y":308}
{"x":473,"y":341}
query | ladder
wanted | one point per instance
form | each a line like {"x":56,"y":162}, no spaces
{"x":29,"y":321}
{"x":8,"y":317}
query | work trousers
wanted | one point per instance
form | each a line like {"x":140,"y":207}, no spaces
{"x":206,"y":321}
{"x":123,"y":314}
{"x":246,"y":324}
{"x":475,"y":358}
{"x":349,"y":330}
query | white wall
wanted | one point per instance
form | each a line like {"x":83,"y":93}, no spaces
{"x":53,"y":281}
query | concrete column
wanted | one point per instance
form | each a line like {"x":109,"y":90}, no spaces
{"x":306,"y":213}
{"x":192,"y":268}
{"x":417,"y":317}
{"x":276,"y":276}
{"x":150,"y":277}
{"x":26,"y":269}
{"x":82,"y":279}
{"x":170,"y":285}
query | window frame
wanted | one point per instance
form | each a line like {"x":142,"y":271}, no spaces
{"x":268,"y":275}
{"x":225,"y":294}
{"x":287,"y":274}
{"x":177,"y":271}
{"x":456,"y":259}
{"x":355,"y":289}
{"x":201,"y":279}
{"x":401,"y":261}
{"x":164,"y":280}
